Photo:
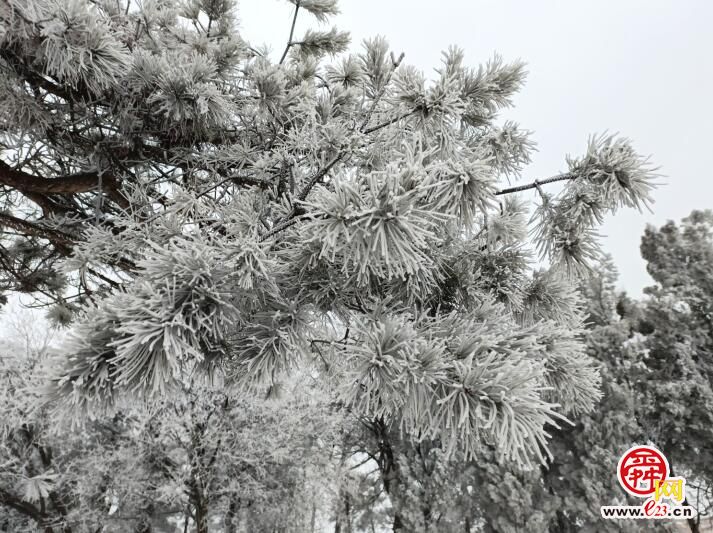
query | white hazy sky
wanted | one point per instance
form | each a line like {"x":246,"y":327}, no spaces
{"x":642,"y":68}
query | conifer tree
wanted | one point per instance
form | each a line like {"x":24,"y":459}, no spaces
{"x":192,"y":204}
{"x":675,"y":384}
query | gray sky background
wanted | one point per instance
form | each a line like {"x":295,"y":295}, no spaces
{"x":642,"y":68}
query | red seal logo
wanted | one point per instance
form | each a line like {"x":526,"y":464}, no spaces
{"x":639,"y":469}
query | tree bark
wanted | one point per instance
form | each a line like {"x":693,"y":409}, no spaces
{"x":74,"y":183}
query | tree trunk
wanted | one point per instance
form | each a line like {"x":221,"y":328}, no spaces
{"x":694,"y":521}
{"x":398,"y":524}
{"x":313,"y":519}
{"x":344,"y":519}
{"x":390,"y":474}
{"x":201,"y":513}
{"x":198,"y":497}
{"x":231,"y":517}
{"x":348,"y":513}
{"x":143,"y":525}
{"x":427,"y":514}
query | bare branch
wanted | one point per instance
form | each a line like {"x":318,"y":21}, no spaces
{"x":292,"y":33}
{"x":535,"y":184}
{"x":390,"y":122}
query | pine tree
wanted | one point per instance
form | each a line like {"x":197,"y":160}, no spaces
{"x":192,"y":204}
{"x":676,"y":382}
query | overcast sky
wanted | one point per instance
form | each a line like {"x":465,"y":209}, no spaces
{"x":642,"y":68}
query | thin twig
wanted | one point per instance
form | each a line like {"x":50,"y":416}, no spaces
{"x":319,"y":175}
{"x":244,"y":180}
{"x":104,"y":278}
{"x":292,"y":33}
{"x":389,"y":122}
{"x":535,"y":184}
{"x":279,"y":228}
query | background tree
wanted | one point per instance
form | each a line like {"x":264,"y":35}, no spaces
{"x":38,"y":467}
{"x":676,"y":387}
{"x":240,"y":464}
{"x":201,"y":459}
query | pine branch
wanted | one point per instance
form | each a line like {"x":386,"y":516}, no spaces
{"x":34,"y":79}
{"x":292,"y":218}
{"x":62,"y":241}
{"x":30,"y":228}
{"x":377,"y":99}
{"x":322,"y":172}
{"x":280,"y":227}
{"x":46,"y":203}
{"x":21,"y":506}
{"x":105,"y":279}
{"x":535,"y":184}
{"x":237,"y":180}
{"x":73,"y":183}
{"x":14,"y":58}
{"x":390,"y":122}
{"x":292,"y":33}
